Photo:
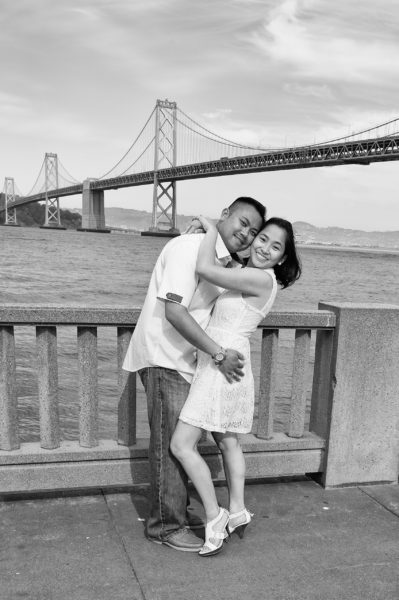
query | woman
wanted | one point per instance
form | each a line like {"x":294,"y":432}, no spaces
{"x":214,"y":404}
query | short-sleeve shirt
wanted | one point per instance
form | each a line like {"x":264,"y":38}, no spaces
{"x":155,"y":342}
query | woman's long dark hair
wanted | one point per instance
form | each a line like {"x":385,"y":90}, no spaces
{"x":290,"y":270}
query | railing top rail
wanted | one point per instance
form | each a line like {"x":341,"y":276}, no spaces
{"x":96,"y":316}
{"x":305,"y":319}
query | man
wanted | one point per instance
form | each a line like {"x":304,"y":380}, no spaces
{"x":163,"y":349}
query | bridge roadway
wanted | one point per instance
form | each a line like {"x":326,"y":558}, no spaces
{"x":342,"y":153}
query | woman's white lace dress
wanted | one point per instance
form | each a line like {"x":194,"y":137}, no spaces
{"x":213,"y":403}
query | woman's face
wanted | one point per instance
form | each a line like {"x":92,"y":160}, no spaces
{"x":268,"y":248}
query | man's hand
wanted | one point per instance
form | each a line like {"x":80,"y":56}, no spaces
{"x":232,"y":365}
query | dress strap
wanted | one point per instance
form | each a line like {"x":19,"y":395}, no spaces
{"x":273,"y":293}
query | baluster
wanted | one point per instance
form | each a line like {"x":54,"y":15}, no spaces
{"x":8,"y":395}
{"x":46,"y":345}
{"x":267,"y":388}
{"x":299,"y":380}
{"x":319,"y":412}
{"x":127,"y":392}
{"x":87,"y":364}
{"x":204,"y":437}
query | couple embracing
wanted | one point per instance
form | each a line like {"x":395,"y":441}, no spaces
{"x":191,"y":349}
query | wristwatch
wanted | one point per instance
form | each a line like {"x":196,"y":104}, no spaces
{"x":219,"y":356}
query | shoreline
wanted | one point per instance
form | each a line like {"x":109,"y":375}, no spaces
{"x":350,"y":248}
{"x":301,"y":245}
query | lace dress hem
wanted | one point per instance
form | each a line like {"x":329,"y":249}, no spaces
{"x":211,"y":428}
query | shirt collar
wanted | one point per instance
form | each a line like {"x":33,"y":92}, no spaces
{"x":221,"y":251}
{"x":224,"y":256}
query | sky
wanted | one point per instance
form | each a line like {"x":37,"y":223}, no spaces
{"x":80,"y":78}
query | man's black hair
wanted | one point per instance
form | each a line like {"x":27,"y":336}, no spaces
{"x":252,"y":202}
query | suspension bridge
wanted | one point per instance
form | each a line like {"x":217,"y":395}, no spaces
{"x":172,"y":146}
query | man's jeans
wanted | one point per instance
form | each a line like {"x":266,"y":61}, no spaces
{"x":166,"y":392}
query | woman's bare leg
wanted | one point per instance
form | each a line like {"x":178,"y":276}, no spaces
{"x":234,"y":467}
{"x":184,"y":447}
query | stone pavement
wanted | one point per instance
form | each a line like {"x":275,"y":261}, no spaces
{"x":305,"y":543}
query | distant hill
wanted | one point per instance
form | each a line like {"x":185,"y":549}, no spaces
{"x":337,"y":236}
{"x":33,"y":215}
{"x":133,"y":220}
{"x":139,"y":220}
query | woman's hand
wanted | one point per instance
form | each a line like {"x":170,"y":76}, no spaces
{"x":205,"y":223}
{"x":199,"y":225}
{"x":194,"y":227}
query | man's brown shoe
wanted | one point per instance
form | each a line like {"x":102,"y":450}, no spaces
{"x":182,"y":539}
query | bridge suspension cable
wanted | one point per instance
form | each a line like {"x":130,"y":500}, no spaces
{"x":64,"y":179}
{"x":35,"y":188}
{"x":360,"y":133}
{"x":174,"y":139}
{"x":143,"y":129}
{"x":216,"y":135}
{"x":65,"y":175}
{"x":230,"y":144}
{"x":18,"y":192}
{"x":195,"y":143}
{"x":138,"y":158}
{"x":198,"y":144}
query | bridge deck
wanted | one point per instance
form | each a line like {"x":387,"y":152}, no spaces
{"x":343,"y":153}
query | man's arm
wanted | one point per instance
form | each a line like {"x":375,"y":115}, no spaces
{"x":183,"y":322}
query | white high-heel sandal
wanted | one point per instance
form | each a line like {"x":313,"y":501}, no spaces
{"x":209,"y":548}
{"x":238,"y":522}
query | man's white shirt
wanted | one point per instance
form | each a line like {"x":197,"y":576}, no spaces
{"x":155,"y":342}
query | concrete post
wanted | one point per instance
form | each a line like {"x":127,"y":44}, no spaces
{"x":363,"y":440}
{"x":8,"y":391}
{"x":93,"y":216}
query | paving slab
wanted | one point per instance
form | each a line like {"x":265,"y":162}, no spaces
{"x":305,"y":543}
{"x":386,"y":495}
{"x":63,"y":549}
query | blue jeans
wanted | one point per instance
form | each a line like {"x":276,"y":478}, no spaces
{"x":166,"y":392}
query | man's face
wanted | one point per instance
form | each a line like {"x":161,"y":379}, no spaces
{"x":239,"y":226}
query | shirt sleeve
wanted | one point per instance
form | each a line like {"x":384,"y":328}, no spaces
{"x":179,"y":279}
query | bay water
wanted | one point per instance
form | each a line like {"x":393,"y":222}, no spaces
{"x":40,"y":266}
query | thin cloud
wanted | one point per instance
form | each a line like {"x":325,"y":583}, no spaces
{"x":12,"y":105}
{"x":218,"y":114}
{"x":317,"y":91}
{"x":302,"y":34}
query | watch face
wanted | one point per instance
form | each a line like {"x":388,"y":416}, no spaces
{"x":219,"y":356}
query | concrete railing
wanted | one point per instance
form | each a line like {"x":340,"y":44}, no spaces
{"x":353,"y":411}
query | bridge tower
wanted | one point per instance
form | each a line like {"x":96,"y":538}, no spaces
{"x":52,"y":217}
{"x":9,"y":199}
{"x":164,"y":193}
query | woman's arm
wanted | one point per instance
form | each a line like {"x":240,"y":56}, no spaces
{"x":249,"y":280}
{"x":206,"y":254}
